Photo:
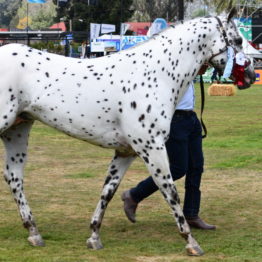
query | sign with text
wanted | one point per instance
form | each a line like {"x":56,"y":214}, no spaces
{"x":245,"y":27}
{"x":129,"y":41}
{"x":258,"y":77}
{"x":94,"y":31}
{"x":107,"y":28}
{"x":110,"y":45}
{"x":97,"y":47}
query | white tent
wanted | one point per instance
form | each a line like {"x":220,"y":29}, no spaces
{"x":250,"y":50}
{"x":109,"y":37}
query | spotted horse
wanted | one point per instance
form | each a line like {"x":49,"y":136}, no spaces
{"x":124,"y":101}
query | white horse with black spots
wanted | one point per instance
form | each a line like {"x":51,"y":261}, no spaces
{"x":124,"y":101}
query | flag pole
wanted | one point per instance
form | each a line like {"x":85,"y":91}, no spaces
{"x":27,"y":24}
{"x":121,"y":25}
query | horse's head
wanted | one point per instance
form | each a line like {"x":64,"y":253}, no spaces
{"x":228,"y":56}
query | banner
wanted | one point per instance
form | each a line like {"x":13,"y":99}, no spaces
{"x":110,"y":45}
{"x":258,"y":77}
{"x":121,"y":43}
{"x":94,"y":31}
{"x":129,"y":41}
{"x":245,"y":27}
{"x":158,"y":25}
{"x":36,"y":1}
{"x":97,"y":47}
{"x":107,"y":28}
{"x":124,"y":28}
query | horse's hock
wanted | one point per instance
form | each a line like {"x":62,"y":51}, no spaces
{"x":221,"y":90}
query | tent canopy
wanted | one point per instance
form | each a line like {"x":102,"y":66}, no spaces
{"x":249,"y":49}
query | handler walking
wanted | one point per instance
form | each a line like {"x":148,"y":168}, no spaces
{"x":184,"y":149}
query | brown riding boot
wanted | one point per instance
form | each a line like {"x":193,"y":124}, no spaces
{"x":197,"y":222}
{"x":129,"y":206}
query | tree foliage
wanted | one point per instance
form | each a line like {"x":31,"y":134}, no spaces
{"x":225,"y":5}
{"x":105,"y":11}
{"x":8,"y":10}
{"x":40,"y":16}
{"x":149,"y":10}
{"x":44,"y":18}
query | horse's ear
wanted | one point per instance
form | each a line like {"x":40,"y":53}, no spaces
{"x":232,"y":13}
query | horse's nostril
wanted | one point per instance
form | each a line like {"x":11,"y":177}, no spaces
{"x":238,"y":40}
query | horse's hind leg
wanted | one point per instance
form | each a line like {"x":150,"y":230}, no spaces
{"x":15,"y":140}
{"x":116,"y":171}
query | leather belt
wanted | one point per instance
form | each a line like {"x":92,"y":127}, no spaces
{"x":184,"y":112}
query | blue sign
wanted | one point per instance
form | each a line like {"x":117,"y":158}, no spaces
{"x":69,"y":37}
{"x":162,"y":22}
{"x":129,"y":41}
{"x":257,"y":77}
{"x":36,"y":1}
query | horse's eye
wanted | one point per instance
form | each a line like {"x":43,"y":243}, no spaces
{"x":238,"y":40}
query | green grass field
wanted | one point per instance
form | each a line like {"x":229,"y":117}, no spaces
{"x":64,"y":177}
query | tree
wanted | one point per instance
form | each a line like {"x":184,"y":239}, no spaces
{"x":225,"y":5}
{"x":39,"y":15}
{"x":43,"y":18}
{"x":220,"y":5}
{"x":8,"y":10}
{"x":81,"y":13}
{"x":149,"y":10}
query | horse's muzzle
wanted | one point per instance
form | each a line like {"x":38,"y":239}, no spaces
{"x":243,"y":76}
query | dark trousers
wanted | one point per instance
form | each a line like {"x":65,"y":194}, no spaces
{"x":184,"y":148}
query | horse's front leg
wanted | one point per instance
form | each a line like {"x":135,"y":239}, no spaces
{"x":15,"y":140}
{"x":157,"y":163}
{"x":116,"y":171}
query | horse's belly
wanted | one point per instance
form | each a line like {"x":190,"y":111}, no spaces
{"x":108,"y":135}
{"x":109,"y":140}
{"x":102,"y":138}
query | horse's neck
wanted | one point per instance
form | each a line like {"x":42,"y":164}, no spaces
{"x":181,"y":50}
{"x":179,"y":54}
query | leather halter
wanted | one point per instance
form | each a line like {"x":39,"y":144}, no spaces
{"x":222,"y":30}
{"x":224,"y":34}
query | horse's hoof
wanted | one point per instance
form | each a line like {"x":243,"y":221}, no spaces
{"x":36,"y":241}
{"x":94,"y":243}
{"x":194,"y":250}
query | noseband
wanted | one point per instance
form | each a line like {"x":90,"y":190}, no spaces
{"x":224,"y":49}
{"x":232,"y":68}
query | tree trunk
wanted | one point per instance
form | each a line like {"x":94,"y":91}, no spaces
{"x":180,"y":10}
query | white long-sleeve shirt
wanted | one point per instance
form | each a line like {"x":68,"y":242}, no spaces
{"x":187,"y":102}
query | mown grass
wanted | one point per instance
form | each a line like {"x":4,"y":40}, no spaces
{"x":64,"y":177}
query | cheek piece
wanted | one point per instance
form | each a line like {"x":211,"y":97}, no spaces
{"x":230,"y":62}
{"x":236,"y":65}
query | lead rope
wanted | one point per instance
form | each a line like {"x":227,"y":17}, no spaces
{"x":201,"y":78}
{"x":202,"y":106}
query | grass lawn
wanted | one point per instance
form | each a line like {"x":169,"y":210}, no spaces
{"x":64,"y":177}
